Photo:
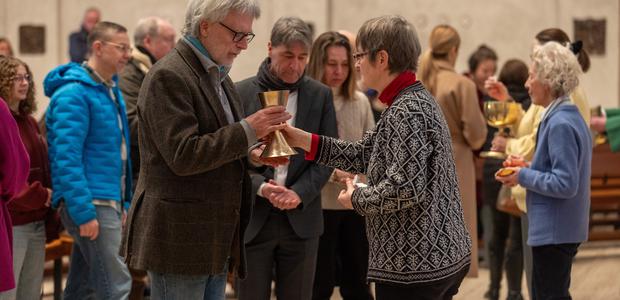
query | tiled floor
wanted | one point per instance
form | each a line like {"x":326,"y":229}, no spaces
{"x":595,"y":276}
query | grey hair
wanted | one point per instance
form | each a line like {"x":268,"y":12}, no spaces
{"x":148,"y":26}
{"x":215,"y":11}
{"x":556,"y":66}
{"x":288,"y":30}
{"x":396,"y":36}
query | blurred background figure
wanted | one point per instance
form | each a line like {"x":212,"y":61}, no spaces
{"x":343,"y":248}
{"x":33,"y":219}
{"x":153,"y":38}
{"x":5,"y":47}
{"x":457,"y":97}
{"x":78,"y":45}
{"x":502,"y":231}
{"x":482,"y":64}
{"x":609,"y":124}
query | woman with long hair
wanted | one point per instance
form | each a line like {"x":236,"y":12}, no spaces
{"x":343,"y":248}
{"x":457,"y":97}
{"x":30,"y":210}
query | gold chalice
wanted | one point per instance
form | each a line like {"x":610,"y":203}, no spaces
{"x":500,"y":114}
{"x":277,"y":147}
{"x":599,"y":138}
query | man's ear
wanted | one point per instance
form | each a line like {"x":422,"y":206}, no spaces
{"x":269,"y":48}
{"x":147,"y":40}
{"x":95,"y":49}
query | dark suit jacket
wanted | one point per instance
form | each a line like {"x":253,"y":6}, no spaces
{"x":315,"y":114}
{"x":78,"y":45}
{"x":192,"y":201}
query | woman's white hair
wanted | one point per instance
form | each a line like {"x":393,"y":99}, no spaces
{"x":556,"y":66}
{"x":215,"y":11}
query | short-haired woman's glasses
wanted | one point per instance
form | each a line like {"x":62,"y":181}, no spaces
{"x":238,"y":36}
{"x":359,"y":55}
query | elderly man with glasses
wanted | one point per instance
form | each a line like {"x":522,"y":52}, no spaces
{"x":88,"y":138}
{"x":191,"y":203}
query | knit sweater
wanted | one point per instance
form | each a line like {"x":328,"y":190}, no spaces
{"x":415,"y":226}
{"x":354,"y":117}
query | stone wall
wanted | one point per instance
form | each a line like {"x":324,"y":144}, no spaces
{"x":508,"y":26}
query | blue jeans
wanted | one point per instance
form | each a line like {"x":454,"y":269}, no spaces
{"x":28,"y":261}
{"x":96,"y":269}
{"x":178,"y":287}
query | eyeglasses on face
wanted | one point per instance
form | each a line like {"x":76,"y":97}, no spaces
{"x":122,"y":47}
{"x":358,"y":56}
{"x":21,"y":78}
{"x":238,"y":36}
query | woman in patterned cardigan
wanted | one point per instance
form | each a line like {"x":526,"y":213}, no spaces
{"x":419,"y":244}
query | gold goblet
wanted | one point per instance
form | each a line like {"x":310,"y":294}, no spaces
{"x":599,"y":138}
{"x":500,"y":114}
{"x":277,"y":147}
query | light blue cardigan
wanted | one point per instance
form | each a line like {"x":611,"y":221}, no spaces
{"x":558,"y":181}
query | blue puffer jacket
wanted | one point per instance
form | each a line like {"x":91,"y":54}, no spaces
{"x":84,"y":141}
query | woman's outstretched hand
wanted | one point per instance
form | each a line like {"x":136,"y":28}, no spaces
{"x":297,"y":137}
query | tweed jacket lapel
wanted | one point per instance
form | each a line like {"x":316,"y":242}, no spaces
{"x":231,"y":93}
{"x":206,"y":80}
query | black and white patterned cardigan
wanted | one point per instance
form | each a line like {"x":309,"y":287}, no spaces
{"x":414,"y":218}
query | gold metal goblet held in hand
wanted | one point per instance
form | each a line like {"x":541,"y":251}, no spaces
{"x":277,"y":147}
{"x":599,"y":138}
{"x":500,"y":114}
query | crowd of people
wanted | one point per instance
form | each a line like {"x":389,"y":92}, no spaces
{"x":150,"y":157}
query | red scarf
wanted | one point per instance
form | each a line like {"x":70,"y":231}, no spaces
{"x":399,"y":83}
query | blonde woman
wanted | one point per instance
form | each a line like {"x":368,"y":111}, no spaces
{"x":456,"y":95}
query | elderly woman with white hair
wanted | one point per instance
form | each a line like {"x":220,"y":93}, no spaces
{"x":558,"y":178}
{"x":418,"y":242}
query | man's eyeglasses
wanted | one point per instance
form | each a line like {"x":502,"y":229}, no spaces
{"x":359,"y":55}
{"x":122,"y":47}
{"x":20,"y":78}
{"x":239,"y":36}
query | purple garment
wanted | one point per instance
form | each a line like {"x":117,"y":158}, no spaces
{"x":14,"y":169}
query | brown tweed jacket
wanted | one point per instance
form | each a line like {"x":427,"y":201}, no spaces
{"x":191,"y":204}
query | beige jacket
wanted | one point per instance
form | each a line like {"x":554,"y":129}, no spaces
{"x":456,"y":94}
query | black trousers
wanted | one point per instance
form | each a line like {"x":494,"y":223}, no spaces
{"x":551,"y":271}
{"x":443,"y":289}
{"x":343,"y":257}
{"x":277,"y":248}
{"x":502,"y":234}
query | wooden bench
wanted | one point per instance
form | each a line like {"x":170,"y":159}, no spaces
{"x":605,"y":194}
{"x":55,"y":251}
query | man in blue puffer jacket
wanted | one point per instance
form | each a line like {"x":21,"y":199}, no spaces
{"x":88,"y":138}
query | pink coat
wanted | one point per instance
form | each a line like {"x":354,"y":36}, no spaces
{"x":14,"y":170}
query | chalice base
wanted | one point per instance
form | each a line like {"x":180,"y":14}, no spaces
{"x":277,"y":147}
{"x":493,"y":154}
